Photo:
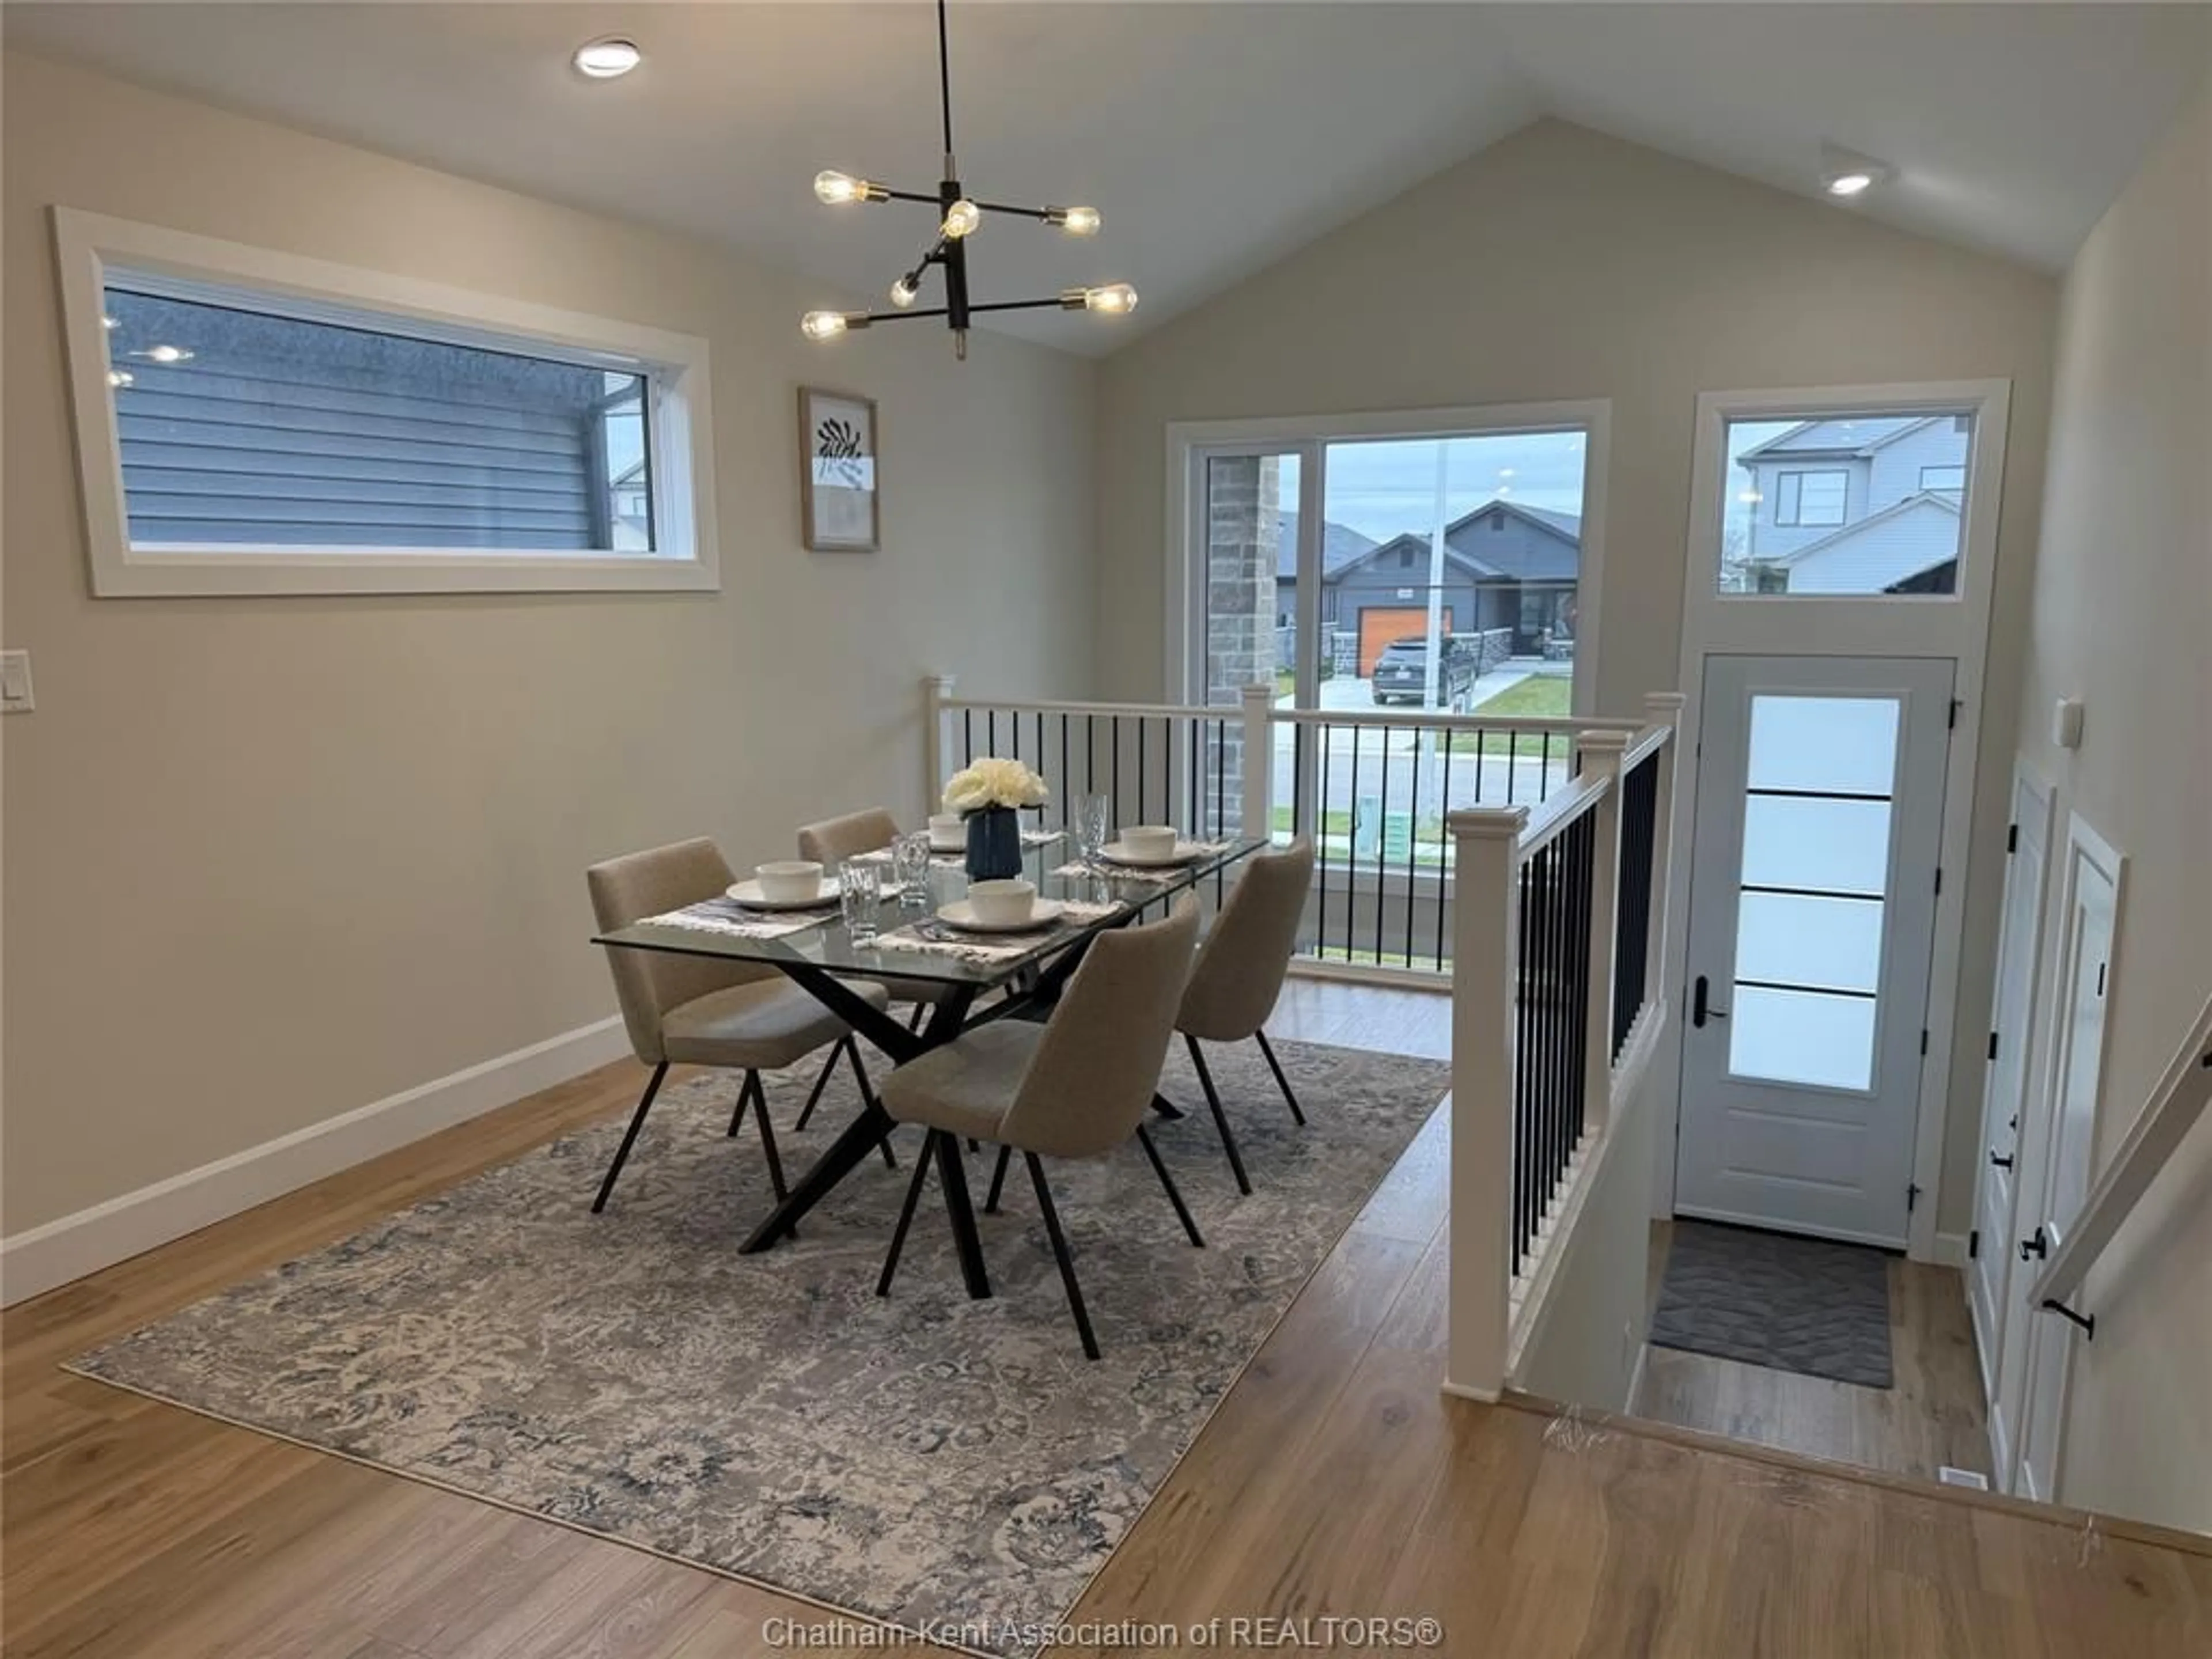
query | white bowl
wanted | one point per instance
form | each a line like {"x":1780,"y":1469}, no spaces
{"x":1151,"y":840}
{"x":1002,"y":904}
{"x":948,"y":832}
{"x":789,"y":881}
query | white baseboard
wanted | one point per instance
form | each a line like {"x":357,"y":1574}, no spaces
{"x":1950,"y":1251}
{"x":75,"y":1245}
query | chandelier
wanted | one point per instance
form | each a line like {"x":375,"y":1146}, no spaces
{"x":959,"y":216}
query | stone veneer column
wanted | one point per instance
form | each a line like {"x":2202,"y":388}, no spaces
{"x":1242,"y":533}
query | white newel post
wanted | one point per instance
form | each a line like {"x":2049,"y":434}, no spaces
{"x":1661,"y":709}
{"x":1601,"y":753}
{"x":1259,"y":760}
{"x":1485,"y":942}
{"x":936,"y":689}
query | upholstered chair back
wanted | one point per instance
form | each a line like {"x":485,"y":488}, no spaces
{"x":1240,"y":968}
{"x":650,"y":983}
{"x":1096,"y":1071}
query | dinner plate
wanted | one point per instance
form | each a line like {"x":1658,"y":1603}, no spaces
{"x":1186,"y":852}
{"x":961,"y":914}
{"x":749,"y":893}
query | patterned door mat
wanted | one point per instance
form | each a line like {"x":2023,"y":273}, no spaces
{"x":1795,"y":1305}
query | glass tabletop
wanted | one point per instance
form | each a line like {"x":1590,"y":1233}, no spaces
{"x":1103,"y":900}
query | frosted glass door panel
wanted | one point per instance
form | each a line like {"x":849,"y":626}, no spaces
{"x":1824,"y":845}
{"x":1828,"y":944}
{"x":1802,"y":1036}
{"x":1833,"y":745}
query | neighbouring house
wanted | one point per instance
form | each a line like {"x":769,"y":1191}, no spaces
{"x":1856,"y":507}
{"x":1506,"y":566}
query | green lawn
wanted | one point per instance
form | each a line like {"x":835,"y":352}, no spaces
{"x":1538,"y":697}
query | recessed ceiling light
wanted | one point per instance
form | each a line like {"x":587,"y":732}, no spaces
{"x":1847,"y":174}
{"x":602,"y":60}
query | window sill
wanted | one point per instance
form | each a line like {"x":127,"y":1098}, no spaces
{"x":151,"y":573}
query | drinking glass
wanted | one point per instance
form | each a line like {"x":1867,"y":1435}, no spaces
{"x":910,"y":869}
{"x":860,"y":891}
{"x":1094,"y":820}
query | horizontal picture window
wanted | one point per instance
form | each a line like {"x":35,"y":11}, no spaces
{"x":372,"y":435}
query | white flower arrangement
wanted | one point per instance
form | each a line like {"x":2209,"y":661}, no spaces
{"x":994,"y":782}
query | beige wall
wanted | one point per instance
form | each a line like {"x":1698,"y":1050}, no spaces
{"x":2122,"y":619}
{"x":1562,"y":264}
{"x":272,"y":860}
{"x":1584,"y":1350}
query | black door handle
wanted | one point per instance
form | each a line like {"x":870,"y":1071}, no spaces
{"x":2000,"y":1160}
{"x":1700,"y":1009}
{"x":2035,"y":1247}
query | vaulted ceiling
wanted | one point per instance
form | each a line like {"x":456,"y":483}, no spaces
{"x":1215,"y":138}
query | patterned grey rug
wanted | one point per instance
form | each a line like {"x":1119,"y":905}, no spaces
{"x":1795,"y":1305}
{"x":920,"y":1458}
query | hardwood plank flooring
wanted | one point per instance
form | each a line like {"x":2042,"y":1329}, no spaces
{"x":1335,"y":1480}
{"x":1933,"y":1414}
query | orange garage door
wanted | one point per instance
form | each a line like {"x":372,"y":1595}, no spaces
{"x":1379,"y":626}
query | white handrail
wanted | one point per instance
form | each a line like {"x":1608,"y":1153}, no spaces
{"x":1125,"y":710}
{"x":1556,"y":724}
{"x":2175,"y":1105}
{"x":1551,"y":816}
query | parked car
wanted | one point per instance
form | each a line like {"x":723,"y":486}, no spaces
{"x":1402,"y":674}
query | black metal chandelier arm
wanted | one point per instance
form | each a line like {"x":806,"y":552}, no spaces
{"x":1041,"y":214}
{"x":1058,"y":301}
{"x":864,"y":318}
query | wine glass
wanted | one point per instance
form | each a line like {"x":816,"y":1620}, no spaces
{"x":1094,"y":818}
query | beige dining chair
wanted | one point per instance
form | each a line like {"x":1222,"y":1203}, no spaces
{"x":701,"y":1010}
{"x":829,"y":843}
{"x":1076,"y":1086}
{"x":1239,"y":975}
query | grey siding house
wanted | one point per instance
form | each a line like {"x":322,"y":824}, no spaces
{"x":1507,"y":567}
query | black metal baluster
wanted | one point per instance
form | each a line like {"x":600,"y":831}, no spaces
{"x":1382,"y":843}
{"x":1413,"y":847}
{"x":1142,"y":724}
{"x":1447,"y":872}
{"x":1351,"y":852}
{"x":1512,"y":765}
{"x":1526,"y":1056}
{"x":1321,"y":844}
{"x":1116,"y":758}
{"x":1014,"y":720}
{"x":991,"y":730}
{"x":1585,"y":991}
{"x":1066,"y":778}
{"x":967,"y":737}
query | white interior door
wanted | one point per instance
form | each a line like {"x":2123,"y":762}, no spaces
{"x":1813,"y":887}
{"x":2078,"y":1066}
{"x":2012,"y":1033}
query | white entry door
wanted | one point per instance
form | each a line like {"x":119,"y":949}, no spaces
{"x":1813,"y":887}
{"x":2084,"y":986}
{"x":2012,"y":1026}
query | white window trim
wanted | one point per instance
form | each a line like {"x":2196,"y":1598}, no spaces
{"x":688,"y":557}
{"x":1307,"y":434}
{"x":1955,"y":625}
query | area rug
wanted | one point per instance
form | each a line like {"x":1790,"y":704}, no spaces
{"x":1794,"y":1304}
{"x":924,"y":1459}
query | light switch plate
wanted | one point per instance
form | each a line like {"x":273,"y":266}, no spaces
{"x":15,"y":683}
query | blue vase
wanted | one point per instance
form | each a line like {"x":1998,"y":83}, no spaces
{"x":994,"y":844}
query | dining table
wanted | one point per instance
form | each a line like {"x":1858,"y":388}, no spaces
{"x":819,"y":954}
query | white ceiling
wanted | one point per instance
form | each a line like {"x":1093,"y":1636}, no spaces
{"x":1215,"y":137}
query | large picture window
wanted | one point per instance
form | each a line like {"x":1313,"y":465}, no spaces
{"x":253,"y":424}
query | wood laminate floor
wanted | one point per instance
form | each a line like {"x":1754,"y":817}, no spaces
{"x":1335,"y":1481}
{"x":1932,"y":1414}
